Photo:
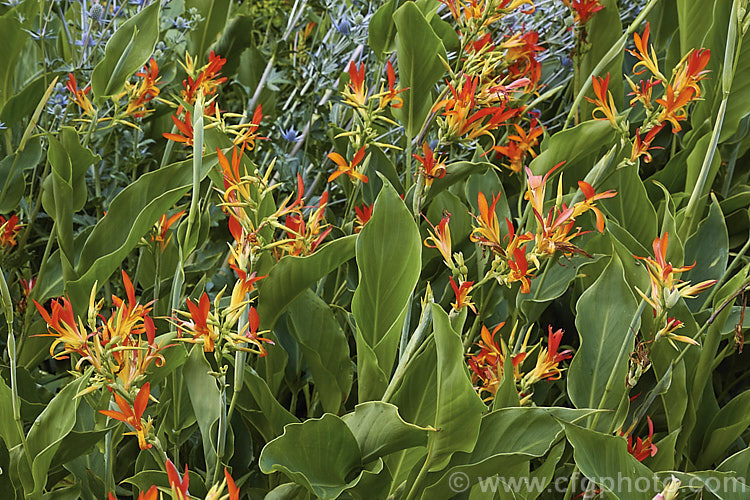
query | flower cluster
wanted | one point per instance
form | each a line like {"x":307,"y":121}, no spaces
{"x":488,"y":365}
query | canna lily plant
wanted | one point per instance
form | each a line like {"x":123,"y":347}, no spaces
{"x":380,"y":250}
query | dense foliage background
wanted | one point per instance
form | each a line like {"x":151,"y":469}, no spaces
{"x":431,"y":249}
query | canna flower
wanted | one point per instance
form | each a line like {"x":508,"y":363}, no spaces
{"x":548,"y":361}
{"x":9,"y":229}
{"x":178,"y":485}
{"x":641,"y":147}
{"x":134,"y":416}
{"x":646,"y":58}
{"x":26,"y":287}
{"x":160,"y":234}
{"x":642,"y":91}
{"x":357,"y":96}
{"x":604,"y":101}
{"x":643,"y":448}
{"x":61,"y":324}
{"x":440,"y":239}
{"x":143,"y":92}
{"x":391,"y":96}
{"x":673,"y":324}
{"x":348,"y":168}
{"x":251,"y":335}
{"x":536,"y":188}
{"x":151,"y":494}
{"x":521,"y":56}
{"x":128,"y":318}
{"x":364,"y":214}
{"x":131,"y":358}
{"x":206,"y":80}
{"x":670,"y":491}
{"x":432,"y":168}
{"x":247,"y":133}
{"x":217,"y":490}
{"x":673,"y":107}
{"x":588,"y":203}
{"x":184,"y":127}
{"x":666,"y":289}
{"x":203,"y":326}
{"x":462,"y":295}
{"x":79,"y":96}
{"x":519,"y":270}
{"x":584,"y":9}
{"x":488,"y":232}
{"x":304,"y":238}
{"x":520,"y":145}
{"x":691,"y":70}
{"x":488,"y":364}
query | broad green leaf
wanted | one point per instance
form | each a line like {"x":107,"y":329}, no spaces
{"x":237,"y":37}
{"x":708,"y":249}
{"x":602,"y":32}
{"x":288,"y":491}
{"x":12,"y":38}
{"x":214,"y":14}
{"x":262,"y":410}
{"x":50,"y":428}
{"x":61,"y":175}
{"x":694,"y":164}
{"x":631,"y":207}
{"x":131,"y":216}
{"x":324,"y":347}
{"x":738,"y":464}
{"x":738,"y":106}
{"x":8,"y":429}
{"x":728,"y":425}
{"x":710,"y":484}
{"x":578,"y":147}
{"x":458,"y":407}
{"x":419,"y":51}
{"x":382,"y":30}
{"x":293,"y":275}
{"x":126,"y":52}
{"x":604,"y":459}
{"x":387,"y":276}
{"x":596,"y":377}
{"x":23,"y":104}
{"x":380,"y":430}
{"x":320,"y":454}
{"x":11,"y":172}
{"x":205,"y":399}
{"x":506,"y":437}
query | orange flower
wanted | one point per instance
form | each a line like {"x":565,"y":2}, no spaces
{"x":646,"y":59}
{"x":363,"y":216}
{"x":588,"y":203}
{"x":62,"y":324}
{"x":391,"y":96}
{"x":246,"y":134}
{"x":161,"y":228}
{"x":134,"y":416}
{"x":548,"y":361}
{"x":8,"y":230}
{"x":521,"y":144}
{"x":643,"y":448}
{"x":519,"y":270}
{"x":432,"y":168}
{"x":462,"y":295}
{"x":672,"y":325}
{"x":604,"y":101}
{"x":642,"y":91}
{"x":151,"y":494}
{"x":357,"y":96}
{"x":641,"y":147}
{"x":252,"y":335}
{"x":178,"y":485}
{"x":691,"y":70}
{"x":348,"y":168}
{"x":584,"y":9}
{"x":488,"y":232}
{"x":144,"y":91}
{"x":184,"y":127}
{"x":206,"y":80}
{"x":488,"y":364}
{"x":674,"y":107}
{"x":203,"y":326}
{"x":79,"y":96}
{"x":520,"y":55}
{"x":440,"y":239}
{"x":536,"y":188}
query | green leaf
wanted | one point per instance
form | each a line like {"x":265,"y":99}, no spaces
{"x":694,"y":163}
{"x":708,"y":249}
{"x":320,"y":454}
{"x":380,"y":430}
{"x":131,"y":216}
{"x":256,"y":403}
{"x":728,"y":425}
{"x":596,"y":377}
{"x":458,"y":407}
{"x":382,"y":30}
{"x":738,"y":106}
{"x":605,"y":460}
{"x":388,"y":274}
{"x":324,"y":347}
{"x":50,"y":428}
{"x":631,"y":207}
{"x":126,"y":52}
{"x":293,"y":275}
{"x":455,"y":173}
{"x":12,"y":38}
{"x":23,"y":104}
{"x":205,"y":399}
{"x":722,"y":486}
{"x":214,"y":13}
{"x":237,"y":37}
{"x":11,"y":171}
{"x":419,"y":51}
{"x":579,"y":147}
